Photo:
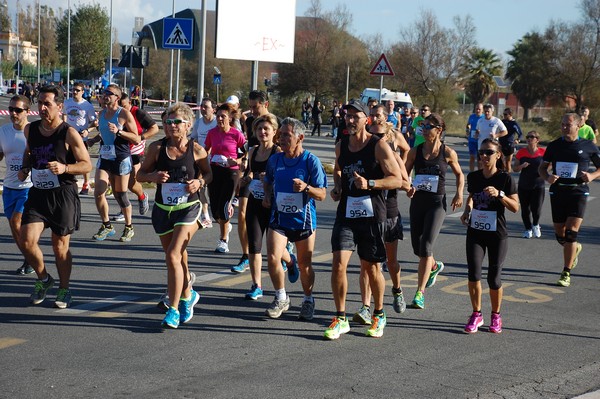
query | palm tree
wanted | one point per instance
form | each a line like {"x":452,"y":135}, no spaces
{"x":480,"y":68}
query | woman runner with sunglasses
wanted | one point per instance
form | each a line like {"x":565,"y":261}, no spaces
{"x":531,"y":185}
{"x":490,"y":191}
{"x":430,"y":160}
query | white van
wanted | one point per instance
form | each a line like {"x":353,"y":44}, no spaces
{"x":400,"y":99}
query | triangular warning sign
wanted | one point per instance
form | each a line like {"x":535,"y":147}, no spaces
{"x":382,"y":67}
{"x":177,"y":36}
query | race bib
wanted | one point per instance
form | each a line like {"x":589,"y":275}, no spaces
{"x":257,"y":189}
{"x":174,"y":193}
{"x":483,"y":220}
{"x":359,"y":207}
{"x":428,"y":183}
{"x":289,"y":202}
{"x":108,"y":152}
{"x":566,"y":170}
{"x":44,"y":179}
{"x":473,"y":133}
{"x":14,"y":162}
{"x":219,"y":159}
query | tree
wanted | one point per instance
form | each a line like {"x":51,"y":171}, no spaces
{"x":431,"y":58}
{"x":528,"y":68}
{"x":49,"y":58}
{"x":480,"y":67}
{"x":5,"y":21}
{"x":89,"y":38}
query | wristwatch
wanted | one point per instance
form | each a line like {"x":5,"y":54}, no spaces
{"x":501,"y":194}
{"x":371,"y":183}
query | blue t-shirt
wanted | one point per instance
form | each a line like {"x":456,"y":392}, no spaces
{"x":473,"y":119}
{"x":290,"y":210}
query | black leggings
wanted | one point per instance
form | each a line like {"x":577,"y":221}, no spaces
{"x":477,"y":243}
{"x":220,"y":190}
{"x":427,"y":213}
{"x":257,"y":221}
{"x":531,"y":205}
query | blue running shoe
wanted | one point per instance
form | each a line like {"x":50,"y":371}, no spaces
{"x":255,"y":292}
{"x":241,"y":267}
{"x":186,"y":307}
{"x":293,"y":271}
{"x":172,"y":318}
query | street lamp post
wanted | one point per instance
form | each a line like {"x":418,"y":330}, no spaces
{"x":69,"y":53}
{"x":39,"y":44}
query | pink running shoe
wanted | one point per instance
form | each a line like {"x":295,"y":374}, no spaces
{"x":496,"y":323}
{"x":475,"y":321}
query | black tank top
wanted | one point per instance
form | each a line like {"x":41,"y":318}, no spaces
{"x":47,"y":149}
{"x":257,"y":167}
{"x":433,"y":166}
{"x":364,"y":163}
{"x":180,"y":170}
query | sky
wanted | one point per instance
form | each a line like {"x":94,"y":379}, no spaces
{"x":500,"y":24}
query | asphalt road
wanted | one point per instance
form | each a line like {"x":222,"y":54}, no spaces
{"x":110,"y":344}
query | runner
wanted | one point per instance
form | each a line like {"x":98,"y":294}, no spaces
{"x":490,"y":191}
{"x":179,"y":166}
{"x":365,"y":166}
{"x":14,"y":191}
{"x":531,"y":185}
{"x":55,"y":153}
{"x":570,"y":158}
{"x":294,"y":179}
{"x":117,"y":130}
{"x":428,"y":199}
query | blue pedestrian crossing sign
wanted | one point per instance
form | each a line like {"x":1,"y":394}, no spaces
{"x":178,"y":33}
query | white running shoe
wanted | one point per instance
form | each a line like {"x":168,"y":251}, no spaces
{"x":527,"y":234}
{"x":537,"y":231}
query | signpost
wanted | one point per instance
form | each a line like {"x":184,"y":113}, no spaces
{"x":382,"y":68}
{"x":178,"y":34}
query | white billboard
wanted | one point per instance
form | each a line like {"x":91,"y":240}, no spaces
{"x":257,"y":30}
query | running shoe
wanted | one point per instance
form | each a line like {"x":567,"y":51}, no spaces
{"x":222,"y":247}
{"x":284,"y":266}
{"x":143,"y":204}
{"x":255,"y":293}
{"x":119,"y":217}
{"x":25,"y":269}
{"x":63,"y":298}
{"x":108,"y":191}
{"x":363,"y":316}
{"x":377,"y":325}
{"x":172,"y":318}
{"x":163,"y":302}
{"x":84,"y":190}
{"x":127,"y":235}
{"x":399,"y":302}
{"x":475,"y":321}
{"x":307,"y":312}
{"x":434,"y":273}
{"x":419,"y":300}
{"x":292,"y":269}
{"x":290,"y":247}
{"x":527,"y":234}
{"x":206,"y":222}
{"x":277,"y":307}
{"x":565,"y":279}
{"x":40,"y":289}
{"x":235,"y":201}
{"x":242,"y":266}
{"x":104,"y":232}
{"x":337,"y":327}
{"x":186,"y":307}
{"x":496,"y":323}
{"x":384,"y":267}
{"x":577,"y":252}
{"x":537,"y":231}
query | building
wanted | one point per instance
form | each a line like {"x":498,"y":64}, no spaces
{"x":8,"y":47}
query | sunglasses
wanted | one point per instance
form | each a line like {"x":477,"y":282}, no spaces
{"x":488,"y":153}
{"x":531,"y":137}
{"x":413,"y":113}
{"x":77,"y":90}
{"x":424,"y":110}
{"x":109,"y":93}
{"x":175,"y":121}
{"x":429,"y":126}
{"x":17,"y":109}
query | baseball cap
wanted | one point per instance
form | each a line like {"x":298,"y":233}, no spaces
{"x":233,"y":100}
{"x":357,"y":105}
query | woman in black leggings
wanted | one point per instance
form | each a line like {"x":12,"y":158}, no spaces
{"x":531,"y":185}
{"x":490,"y":191}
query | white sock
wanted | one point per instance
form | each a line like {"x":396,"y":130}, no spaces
{"x":280,"y":294}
